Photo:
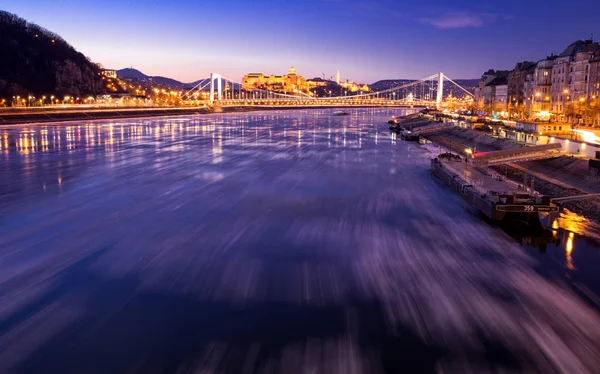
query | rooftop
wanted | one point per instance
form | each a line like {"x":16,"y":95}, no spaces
{"x":580,"y":46}
{"x":498,"y":81}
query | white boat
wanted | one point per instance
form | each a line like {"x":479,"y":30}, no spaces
{"x":340,"y":113}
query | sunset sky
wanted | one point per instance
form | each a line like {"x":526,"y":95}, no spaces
{"x":365,"y":40}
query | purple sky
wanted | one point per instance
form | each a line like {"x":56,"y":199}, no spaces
{"x":365,"y":40}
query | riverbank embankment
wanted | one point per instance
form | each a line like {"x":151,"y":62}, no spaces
{"x":9,"y":118}
{"x":556,"y":177}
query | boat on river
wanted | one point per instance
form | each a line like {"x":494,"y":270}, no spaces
{"x":497,"y":199}
{"x":340,"y":113}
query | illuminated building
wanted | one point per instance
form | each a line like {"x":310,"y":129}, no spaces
{"x":539,"y":95}
{"x":571,"y":75}
{"x":491,"y":94}
{"x":354,"y":87}
{"x":316,"y":82}
{"x":520,"y":87}
{"x":351,"y":86}
{"x":289,"y":83}
{"x":594,"y":90}
{"x":109,"y":73}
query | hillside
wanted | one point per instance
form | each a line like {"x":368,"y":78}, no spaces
{"x":39,"y":62}
{"x":154,"y":81}
{"x":147,"y":81}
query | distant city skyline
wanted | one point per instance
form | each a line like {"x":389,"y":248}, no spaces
{"x":365,"y":40}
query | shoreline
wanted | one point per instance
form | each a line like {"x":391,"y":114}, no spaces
{"x":44,"y":116}
{"x":559,"y":185}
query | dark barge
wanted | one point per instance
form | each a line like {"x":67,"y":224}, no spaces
{"x":498,"y":200}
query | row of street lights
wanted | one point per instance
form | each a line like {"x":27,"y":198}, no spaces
{"x":535,"y":98}
{"x":44,"y":100}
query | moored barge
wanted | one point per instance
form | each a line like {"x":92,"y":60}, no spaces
{"x":497,"y":199}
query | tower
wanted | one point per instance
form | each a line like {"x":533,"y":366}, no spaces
{"x":337,"y":77}
{"x":440,"y":90}
{"x":214,"y":76}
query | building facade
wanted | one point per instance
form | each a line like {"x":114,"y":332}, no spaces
{"x":540,"y":96}
{"x":316,"y":82}
{"x":517,"y":78}
{"x":109,"y":73}
{"x":291,"y":83}
{"x":354,"y":87}
{"x":594,"y":88}
{"x":520,"y":84}
{"x":485,"y":92}
{"x":572,"y":77}
{"x":500,"y":96}
{"x":559,"y":88}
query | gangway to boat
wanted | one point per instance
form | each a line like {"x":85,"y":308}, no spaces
{"x":575,"y":198}
{"x":504,"y":156}
{"x":431,"y":128}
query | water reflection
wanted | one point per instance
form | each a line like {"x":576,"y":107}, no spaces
{"x":579,"y":225}
{"x":27,"y":148}
{"x":228,"y":127}
{"x":264,"y":242}
{"x":568,"y":250}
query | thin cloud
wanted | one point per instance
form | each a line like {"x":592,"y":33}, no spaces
{"x":459,"y":20}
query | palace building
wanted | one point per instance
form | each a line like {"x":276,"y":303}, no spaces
{"x":291,"y":83}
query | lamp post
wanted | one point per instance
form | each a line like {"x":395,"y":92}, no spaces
{"x":594,"y":110}
{"x":566,"y":92}
{"x":537,"y":94}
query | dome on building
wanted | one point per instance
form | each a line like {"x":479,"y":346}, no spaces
{"x":292,"y":71}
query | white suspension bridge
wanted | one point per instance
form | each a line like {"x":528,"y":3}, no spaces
{"x":426,"y":92}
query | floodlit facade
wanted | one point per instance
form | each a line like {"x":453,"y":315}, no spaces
{"x":291,"y":83}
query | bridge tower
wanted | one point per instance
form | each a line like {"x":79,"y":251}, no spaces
{"x":219,"y":79}
{"x":440,"y":90}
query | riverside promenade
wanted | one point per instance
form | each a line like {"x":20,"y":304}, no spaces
{"x":15,"y":116}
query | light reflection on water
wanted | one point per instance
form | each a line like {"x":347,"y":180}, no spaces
{"x":278,"y":220}
{"x":230,"y":130}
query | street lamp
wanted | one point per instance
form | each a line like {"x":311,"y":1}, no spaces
{"x":537,"y":94}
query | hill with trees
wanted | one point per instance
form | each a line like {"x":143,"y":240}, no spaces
{"x":36,"y":61}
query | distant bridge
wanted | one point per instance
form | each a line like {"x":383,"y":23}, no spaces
{"x":413,"y":94}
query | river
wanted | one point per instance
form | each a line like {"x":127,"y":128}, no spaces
{"x":272,"y":242}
